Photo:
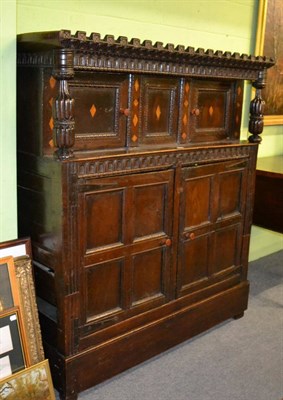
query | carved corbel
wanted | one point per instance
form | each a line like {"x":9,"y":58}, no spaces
{"x":257,"y":109}
{"x":63,"y":106}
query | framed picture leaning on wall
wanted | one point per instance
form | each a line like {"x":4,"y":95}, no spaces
{"x":32,"y":383}
{"x":17,"y":289}
{"x":12,"y":343}
{"x":16,"y":248}
{"x":269,"y":42}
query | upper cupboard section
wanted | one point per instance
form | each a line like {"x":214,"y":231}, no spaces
{"x":136,"y":110}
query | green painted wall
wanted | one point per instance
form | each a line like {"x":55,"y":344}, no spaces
{"x":201,"y":23}
{"x":8,"y":201}
{"x":218,"y":24}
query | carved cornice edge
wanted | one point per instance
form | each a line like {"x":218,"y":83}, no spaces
{"x":108,"y":53}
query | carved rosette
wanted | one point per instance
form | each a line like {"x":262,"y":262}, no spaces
{"x":257,"y":110}
{"x":63,"y":106}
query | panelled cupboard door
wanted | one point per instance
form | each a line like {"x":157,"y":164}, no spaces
{"x":211,"y":221}
{"x":154,"y":110}
{"x":211,"y":110}
{"x":125,"y":230}
{"x":101,"y":101}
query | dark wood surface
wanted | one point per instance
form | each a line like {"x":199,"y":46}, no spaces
{"x":268,"y":207}
{"x":137,"y":195}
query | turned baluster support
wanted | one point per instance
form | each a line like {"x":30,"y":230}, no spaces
{"x":63,"y":106}
{"x":257,"y":109}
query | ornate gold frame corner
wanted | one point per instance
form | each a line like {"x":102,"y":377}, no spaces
{"x":24,"y":276}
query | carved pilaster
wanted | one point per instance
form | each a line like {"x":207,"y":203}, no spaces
{"x":257,"y":109}
{"x":63,"y":106}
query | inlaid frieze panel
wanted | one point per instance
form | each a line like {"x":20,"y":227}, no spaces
{"x":51,"y":86}
{"x":237,"y":109}
{"x":135,"y":92}
{"x":184,"y":111}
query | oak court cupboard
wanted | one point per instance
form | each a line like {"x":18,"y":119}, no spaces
{"x":137,"y":193}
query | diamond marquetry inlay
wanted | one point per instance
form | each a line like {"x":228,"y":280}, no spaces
{"x":136,"y":102}
{"x":51,"y":101}
{"x":134,"y":138}
{"x":51,"y":143}
{"x":211,"y":111}
{"x":184,"y":135}
{"x":135,"y":120}
{"x":185,"y":119}
{"x":92,"y":110}
{"x":239,"y":90}
{"x":187,"y":87}
{"x":52,"y":82}
{"x":136,"y":85}
{"x":186,"y":103}
{"x":51,"y":123}
{"x":158,"y":112}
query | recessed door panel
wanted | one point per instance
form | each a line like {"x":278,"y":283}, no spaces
{"x":194,"y":261}
{"x":197,"y":194}
{"x":104,"y":218}
{"x":226,"y":248}
{"x":150,"y":206}
{"x":230,"y":193}
{"x":148,"y":275}
{"x":104,"y":289}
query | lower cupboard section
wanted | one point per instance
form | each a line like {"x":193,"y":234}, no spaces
{"x":90,"y":367}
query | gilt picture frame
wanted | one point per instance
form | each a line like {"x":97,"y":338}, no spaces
{"x":17,"y":290}
{"x":30,"y":318}
{"x":269,"y":42}
{"x":31,"y":383}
